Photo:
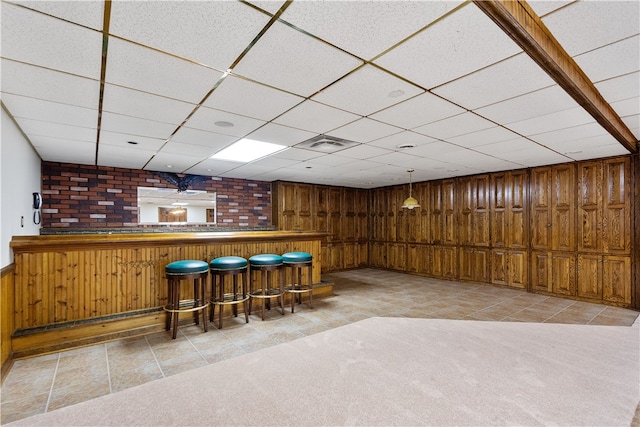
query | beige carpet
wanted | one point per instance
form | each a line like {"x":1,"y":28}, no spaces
{"x":397,"y":371}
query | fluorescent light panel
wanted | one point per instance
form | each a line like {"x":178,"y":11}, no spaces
{"x":247,"y":150}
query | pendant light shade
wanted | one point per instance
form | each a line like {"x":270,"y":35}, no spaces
{"x":410,"y":202}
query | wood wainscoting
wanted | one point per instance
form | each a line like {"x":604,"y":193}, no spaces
{"x":6,"y":317}
{"x":105,"y":285}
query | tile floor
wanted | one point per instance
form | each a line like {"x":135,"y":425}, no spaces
{"x":48,"y":382}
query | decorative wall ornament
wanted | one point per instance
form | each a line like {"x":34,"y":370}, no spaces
{"x":181,"y":182}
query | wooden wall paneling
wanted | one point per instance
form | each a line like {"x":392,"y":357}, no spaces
{"x":563,"y":274}
{"x":423,"y":190}
{"x":465,"y":263}
{"x":616,"y":217}
{"x":517,"y":214}
{"x":466,"y":207}
{"x":349,"y":256}
{"x":635,"y":241}
{"x":321,"y":221}
{"x":563,"y":202}
{"x":450,"y":235}
{"x":349,"y":215}
{"x":305,"y":207}
{"x":498,"y":210}
{"x":499,"y":267}
{"x":541,"y":208}
{"x":590,"y":206}
{"x":541,"y":276}
{"x":397,"y":256}
{"x":481,"y":208}
{"x":363,"y":254}
{"x":335,"y":213}
{"x":518,"y":268}
{"x":7,"y":310}
{"x":285,"y":206}
{"x":616,"y":279}
{"x":391,"y":214}
{"x":437,"y":213}
{"x":590,"y":276}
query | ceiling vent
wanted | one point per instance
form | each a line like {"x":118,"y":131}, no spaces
{"x":326,"y":144}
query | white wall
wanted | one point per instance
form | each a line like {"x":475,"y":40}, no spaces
{"x":20,"y":177}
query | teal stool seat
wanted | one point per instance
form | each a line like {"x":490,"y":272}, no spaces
{"x":296,"y":261}
{"x":188,"y":266}
{"x":295,"y":257}
{"x":266,"y":265}
{"x":228,"y":263}
{"x":232,"y":294}
{"x":176,"y":272}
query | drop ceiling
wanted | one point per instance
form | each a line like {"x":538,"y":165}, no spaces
{"x":433,"y":86}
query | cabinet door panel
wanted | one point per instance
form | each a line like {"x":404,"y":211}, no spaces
{"x":481,"y":211}
{"x":517,"y":237}
{"x":498,"y":210}
{"x":465,"y":266}
{"x":617,"y":279}
{"x":499,"y":267}
{"x":590,"y":276}
{"x":563,"y":208}
{"x":304,"y":206}
{"x":564,"y":274}
{"x":541,"y":208}
{"x":518,"y":269}
{"x":436,"y":222}
{"x":616,"y":206}
{"x":449,"y":213}
{"x":541,"y":272}
{"x":589,"y":206}
{"x":465,"y":229}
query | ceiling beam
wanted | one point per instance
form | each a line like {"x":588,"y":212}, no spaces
{"x":524,"y":26}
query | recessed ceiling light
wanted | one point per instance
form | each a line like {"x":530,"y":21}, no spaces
{"x":396,"y":93}
{"x":405,"y":146}
{"x":224,"y":124}
{"x":573,"y":152}
{"x":169,"y":166}
{"x":179,"y":204}
{"x":248,"y":150}
{"x":452,"y":170}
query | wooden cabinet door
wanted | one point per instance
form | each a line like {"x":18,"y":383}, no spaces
{"x":589,"y":207}
{"x":499,"y":267}
{"x":335,"y":213}
{"x":424,"y":213}
{"x":518,"y":269}
{"x":541,"y":208}
{"x":449,"y":214}
{"x":616,"y":279}
{"x":541,"y":277}
{"x":473,"y":264}
{"x":590,"y":276}
{"x":304,"y":206}
{"x":563,"y":202}
{"x":288,"y":216}
{"x":321,"y":208}
{"x":437,"y":215}
{"x":616,"y":215}
{"x":465,"y":263}
{"x":480,"y":230}
{"x":397,"y":258}
{"x":466,"y":209}
{"x":517,"y":222}
{"x":349,"y":258}
{"x":563,"y":274}
{"x":499,"y":216}
{"x":349,"y":215}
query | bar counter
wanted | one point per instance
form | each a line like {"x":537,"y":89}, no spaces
{"x":64,"y":279}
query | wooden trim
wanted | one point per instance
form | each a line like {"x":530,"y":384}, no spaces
{"x":635,"y":231}
{"x":33,"y":244}
{"x":520,"y":22}
{"x":7,"y":323}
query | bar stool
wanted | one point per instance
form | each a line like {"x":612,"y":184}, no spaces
{"x":266,"y":264}
{"x":220,"y":268}
{"x":296,"y":261}
{"x":176,"y":272}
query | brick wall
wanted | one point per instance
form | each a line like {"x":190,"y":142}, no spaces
{"x":80,"y":196}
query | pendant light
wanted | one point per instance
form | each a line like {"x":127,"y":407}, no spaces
{"x":410,"y":202}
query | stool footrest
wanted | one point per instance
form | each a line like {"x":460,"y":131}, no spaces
{"x":185,"y":307}
{"x":270,"y":293}
{"x":229,"y":299}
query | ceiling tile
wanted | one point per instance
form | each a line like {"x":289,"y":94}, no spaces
{"x":363,"y":152}
{"x":417,"y":111}
{"x":271,"y":6}
{"x":206,"y":118}
{"x":366,"y":91}
{"x":435,"y":148}
{"x":550,"y":122}
{"x":49,"y":85}
{"x":364,"y":28}
{"x":38,"y":39}
{"x":615,"y":149}
{"x":134,"y":103}
{"x":535,"y":155}
{"x":30,"y":108}
{"x":171,"y":162}
{"x":146,"y":70}
{"x":393,"y":142}
{"x":539,"y":103}
{"x":455,"y":126}
{"x":574,"y":133}
{"x":314,"y":117}
{"x":210,"y":167}
{"x":87,"y":13}
{"x":64,"y":150}
{"x":450,"y":48}
{"x":506,"y":79}
{"x":56,"y":130}
{"x":586,"y":25}
{"x":204,"y":138}
{"x":496,"y":149}
{"x":135,"y":126}
{"x":246,"y":98}
{"x":620,"y":88}
{"x":122,"y":140}
{"x":292,"y":61}
{"x":213,"y":33}
{"x":400,"y":159}
{"x":299,"y":154}
{"x":612,"y":60}
{"x":364,"y":130}
{"x":543,"y":7}
{"x":195,"y":150}
{"x":123,"y":157}
{"x":483,"y":137}
{"x":278,"y":134}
